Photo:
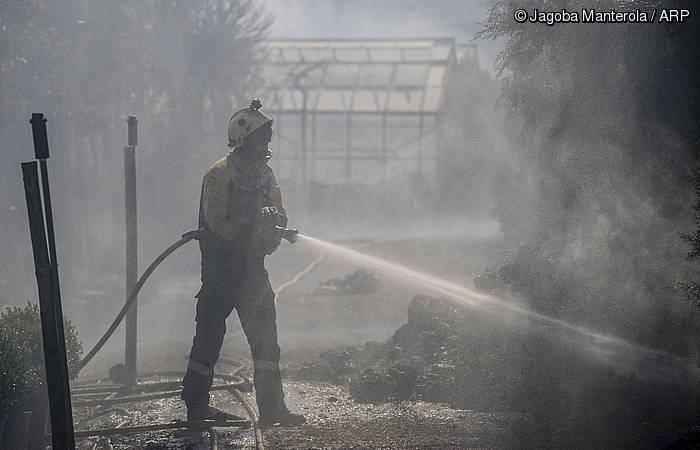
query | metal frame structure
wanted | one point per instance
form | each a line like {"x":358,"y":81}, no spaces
{"x":374,"y":107}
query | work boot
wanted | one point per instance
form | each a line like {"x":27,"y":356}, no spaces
{"x":223,"y":416}
{"x":282,"y":418}
{"x":197,"y":410}
{"x":197,"y":413}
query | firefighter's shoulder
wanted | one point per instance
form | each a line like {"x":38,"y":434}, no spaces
{"x":216,"y":168}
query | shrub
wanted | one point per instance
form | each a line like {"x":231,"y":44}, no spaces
{"x":22,"y":352}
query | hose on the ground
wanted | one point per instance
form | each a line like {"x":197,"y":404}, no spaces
{"x":253,"y":418}
{"x":134,"y":293}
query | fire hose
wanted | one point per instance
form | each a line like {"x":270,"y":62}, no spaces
{"x":184,"y":239}
{"x":288,"y":234}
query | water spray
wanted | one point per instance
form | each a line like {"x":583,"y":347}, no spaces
{"x":611,"y":350}
{"x":608,"y":349}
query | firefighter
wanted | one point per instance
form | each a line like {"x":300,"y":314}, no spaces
{"x":240,"y":207}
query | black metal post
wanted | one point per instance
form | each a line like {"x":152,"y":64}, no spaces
{"x":54,"y":348}
{"x":41,"y":152}
{"x":131,"y":247}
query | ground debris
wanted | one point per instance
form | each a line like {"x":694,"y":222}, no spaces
{"x":452,"y":355}
{"x":361,"y":281}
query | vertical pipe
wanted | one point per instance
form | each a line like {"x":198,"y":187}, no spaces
{"x":384,"y":145}
{"x":314,"y":147}
{"x":420,"y":144}
{"x":281,"y":161}
{"x":441,"y":163}
{"x":57,"y":384}
{"x":348,"y":148}
{"x":314,"y":156}
{"x":304,"y":188}
{"x":131,"y":247}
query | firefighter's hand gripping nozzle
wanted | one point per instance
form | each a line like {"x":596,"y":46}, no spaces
{"x":290,"y":234}
{"x":274,"y":225}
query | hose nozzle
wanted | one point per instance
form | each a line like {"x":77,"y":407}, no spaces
{"x":290,"y":234}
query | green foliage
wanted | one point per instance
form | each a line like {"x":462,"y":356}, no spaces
{"x":15,"y":372}
{"x":22,"y":353}
{"x":603,"y":155}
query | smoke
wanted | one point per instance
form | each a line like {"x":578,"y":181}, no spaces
{"x":180,"y":68}
{"x":389,"y":19}
{"x":586,"y":159}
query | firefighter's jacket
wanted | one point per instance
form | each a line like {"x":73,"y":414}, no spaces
{"x":233,"y":191}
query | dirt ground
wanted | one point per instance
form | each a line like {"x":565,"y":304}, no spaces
{"x":333,"y":421}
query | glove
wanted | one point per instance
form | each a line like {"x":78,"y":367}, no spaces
{"x":267,"y":238}
{"x":267,"y":211}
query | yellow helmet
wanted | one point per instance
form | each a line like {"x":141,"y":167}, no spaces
{"x":245,"y":121}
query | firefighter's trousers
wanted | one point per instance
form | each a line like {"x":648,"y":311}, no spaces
{"x":230,"y":281}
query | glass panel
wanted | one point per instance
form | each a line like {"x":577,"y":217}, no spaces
{"x":382,"y":98}
{"x":436,"y":75}
{"x":275,"y":55}
{"x":410,"y":75}
{"x":351,"y":54}
{"x":367,"y":134}
{"x":291,"y":100}
{"x":275,"y":75}
{"x":416,"y":43}
{"x":341,"y":75}
{"x":432,"y":99}
{"x":272,"y":100}
{"x":375,"y":75}
{"x":280,"y":44}
{"x":331,"y":100}
{"x":441,"y":52}
{"x":311,"y":76}
{"x":379,"y":44}
{"x":290,"y":55}
{"x":417,"y":54}
{"x":405,"y":100}
{"x":366,"y":101}
{"x":312,"y":98}
{"x":330,"y":133}
{"x":385,"y":54}
{"x":405,"y":133}
{"x":316,"y":54}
